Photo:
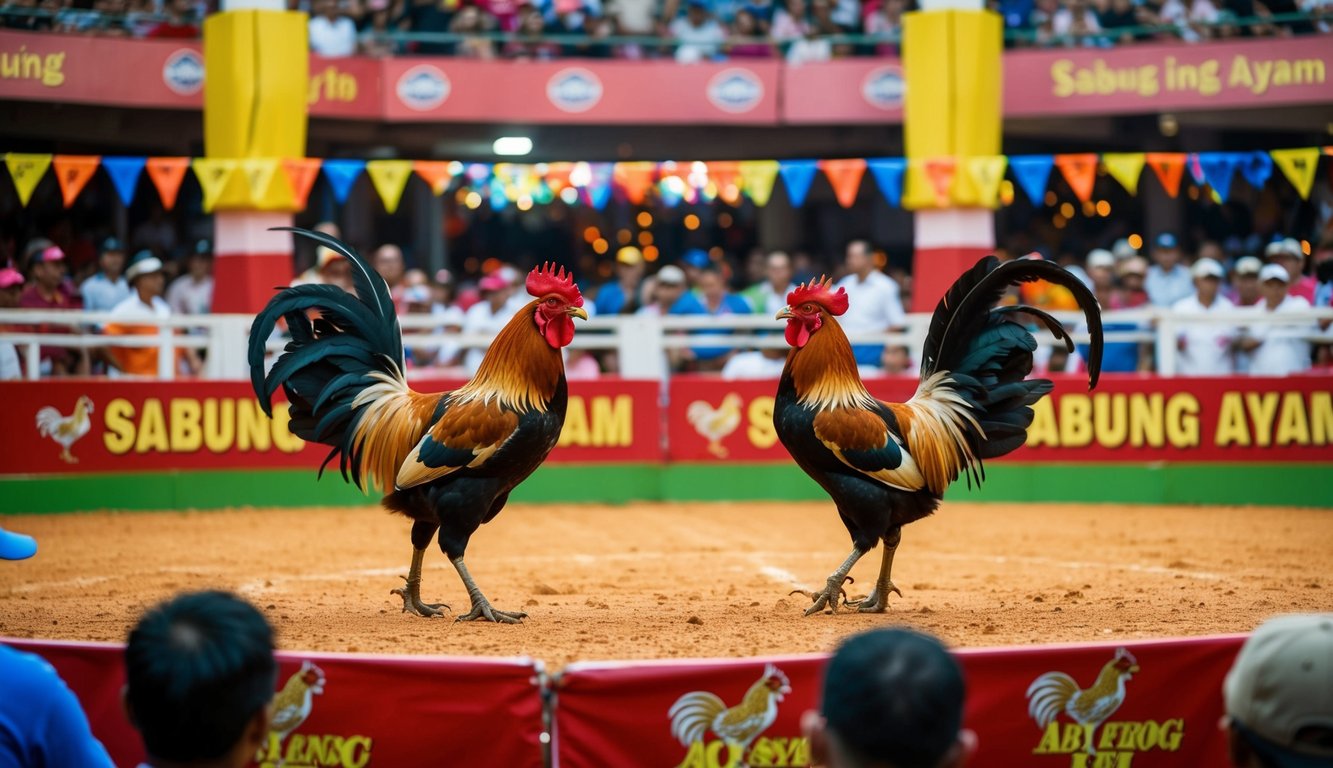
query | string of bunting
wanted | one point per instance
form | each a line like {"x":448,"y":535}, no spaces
{"x":594,"y":184}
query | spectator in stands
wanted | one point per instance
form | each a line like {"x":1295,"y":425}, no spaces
{"x":487,"y":316}
{"x":50,"y":290}
{"x":765,"y":363}
{"x":528,"y":43}
{"x":41,"y":721}
{"x":875,"y":306}
{"x":891,"y":697}
{"x":11,"y":286}
{"x":1100,"y":268}
{"x":1274,"y":349}
{"x":1204,"y":348}
{"x":144,"y":303}
{"x":886,"y":24}
{"x":192,"y":292}
{"x":330,"y":268}
{"x":23,"y":16}
{"x":104,"y":290}
{"x":388,"y":261}
{"x":1323,"y":270}
{"x":181,"y":21}
{"x":1245,"y":281}
{"x":621,"y":296}
{"x":1279,"y":712}
{"x":372,"y":39}
{"x":633,"y":17}
{"x":665,"y":290}
{"x":698,"y":33}
{"x":694,"y":261}
{"x":790,"y":22}
{"x":1075,"y":23}
{"x":770,"y":296}
{"x":713,"y":299}
{"x":745,"y":33}
{"x":199,"y":681}
{"x":1118,"y":15}
{"x":1168,"y":279}
{"x":332,"y":33}
{"x":157,"y":233}
{"x":470,"y":23}
{"x":1291,"y":256}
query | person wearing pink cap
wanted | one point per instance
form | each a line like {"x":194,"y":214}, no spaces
{"x":50,"y":290}
{"x":487,"y":316}
{"x":11,"y":285}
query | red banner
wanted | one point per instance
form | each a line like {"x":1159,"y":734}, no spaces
{"x":1164,"y":699}
{"x":844,"y":91}
{"x":1126,"y":419}
{"x":64,"y":427}
{"x":460,"y":711}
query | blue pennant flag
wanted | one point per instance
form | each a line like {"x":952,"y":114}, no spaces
{"x":341,"y":174}
{"x":1256,"y":168}
{"x":798,"y":175}
{"x":888,"y":173}
{"x":669,"y":196}
{"x":1218,"y":168}
{"x":599,"y":188}
{"x":124,"y":173}
{"x":1033,"y":172}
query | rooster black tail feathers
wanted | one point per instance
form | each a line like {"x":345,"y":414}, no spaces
{"x":355,"y":342}
{"x":989,"y":357}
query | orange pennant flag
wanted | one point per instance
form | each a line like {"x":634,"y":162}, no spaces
{"x":845,"y":177}
{"x":636,"y":179}
{"x":435,"y":173}
{"x":301,"y":173}
{"x":73,"y":173}
{"x":167,"y":174}
{"x":726,"y":175}
{"x":1080,"y":171}
{"x":940,"y":171}
{"x":1169,"y":167}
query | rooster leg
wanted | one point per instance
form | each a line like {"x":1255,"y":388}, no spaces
{"x":481,"y":607}
{"x":833,"y":592}
{"x":878,"y":601}
{"x":411,"y":592}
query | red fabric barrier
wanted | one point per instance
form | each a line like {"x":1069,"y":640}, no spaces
{"x":612,"y":714}
{"x":363,"y":710}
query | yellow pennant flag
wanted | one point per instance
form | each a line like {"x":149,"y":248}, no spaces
{"x":1125,"y":167}
{"x":213,"y":174}
{"x":1299,"y":166}
{"x":987,"y":173}
{"x":259,"y":173}
{"x":390,"y":178}
{"x":757,"y":176}
{"x":26,"y":171}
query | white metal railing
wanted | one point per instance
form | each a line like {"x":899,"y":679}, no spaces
{"x":640,"y":342}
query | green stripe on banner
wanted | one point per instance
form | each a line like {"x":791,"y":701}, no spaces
{"x":1302,"y":485}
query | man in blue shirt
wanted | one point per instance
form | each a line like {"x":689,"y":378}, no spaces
{"x":104,"y":290}
{"x":1169,"y":279}
{"x":621,"y":296}
{"x":41,"y":722}
{"x":713,"y":299}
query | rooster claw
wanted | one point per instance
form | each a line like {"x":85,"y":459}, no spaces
{"x":828,"y":598}
{"x":411,"y":595}
{"x":874,"y":603}
{"x":484,"y":611}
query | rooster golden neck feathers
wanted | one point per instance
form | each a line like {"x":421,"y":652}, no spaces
{"x":821,"y":364}
{"x":558,"y":303}
{"x":807,"y":306}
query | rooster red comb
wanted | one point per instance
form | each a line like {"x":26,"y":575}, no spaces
{"x":820,"y":292}
{"x":548,"y":278}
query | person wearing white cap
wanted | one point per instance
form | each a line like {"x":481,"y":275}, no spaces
{"x":1245,"y":281}
{"x":145,"y":302}
{"x":1277,"y":350}
{"x":1204,"y":348}
{"x":1279,"y":695}
{"x":1289,"y":253}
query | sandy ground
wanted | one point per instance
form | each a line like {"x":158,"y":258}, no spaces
{"x":700,"y":580}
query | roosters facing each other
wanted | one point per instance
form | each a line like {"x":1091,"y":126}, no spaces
{"x":449,"y":460}
{"x":1056,"y":692}
{"x":887,"y":464}
{"x":694,"y":714}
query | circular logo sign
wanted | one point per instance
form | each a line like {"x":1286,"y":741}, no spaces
{"x":883,"y":87}
{"x":735,"y":91}
{"x":422,"y":88}
{"x":184,"y":72}
{"x":574,"y":90}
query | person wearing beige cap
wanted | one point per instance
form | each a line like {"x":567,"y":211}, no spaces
{"x":1205,"y":348}
{"x":1274,"y":349}
{"x":145,"y":302}
{"x":1291,"y":255}
{"x":1100,"y":267}
{"x":1132,"y":273}
{"x":1245,"y":281}
{"x":1279,"y":695}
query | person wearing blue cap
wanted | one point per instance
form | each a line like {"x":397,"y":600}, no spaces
{"x":1169,"y":280}
{"x":104,"y":290}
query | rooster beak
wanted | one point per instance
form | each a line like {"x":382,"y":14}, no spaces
{"x":785,"y":314}
{"x":578,"y":312}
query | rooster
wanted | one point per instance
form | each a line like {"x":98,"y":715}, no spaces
{"x":694,"y":714}
{"x":1056,"y":692}
{"x":888,"y":464}
{"x":715,"y":423}
{"x":292,"y":705}
{"x":447,"y":460}
{"x":66,"y":430}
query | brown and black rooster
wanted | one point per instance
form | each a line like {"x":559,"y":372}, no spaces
{"x":447,"y":460}
{"x":888,"y":464}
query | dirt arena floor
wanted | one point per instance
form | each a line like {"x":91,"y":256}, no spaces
{"x":681,"y":580}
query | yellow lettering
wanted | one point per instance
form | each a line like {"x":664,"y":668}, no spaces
{"x":356,"y":752}
{"x":219,"y":424}
{"x":119,"y":421}
{"x":53,"y":74}
{"x":1232,"y":425}
{"x":1292,"y":426}
{"x":761,"y":431}
{"x":1050,"y":738}
{"x":1321,"y":418}
{"x":295,"y":748}
{"x":1110,"y":423}
{"x":283,"y":439}
{"x":1172,"y":733}
{"x":1262,"y":408}
{"x":1182,"y":420}
{"x":1145,"y":420}
{"x":152,"y":428}
{"x":315,"y":751}
{"x":252,"y":427}
{"x":1307,"y":72}
{"x":186,"y":432}
{"x":1043,"y":430}
{"x":613,"y":421}
{"x":1075,"y":420}
{"x":1061,"y":73}
{"x":575,"y":431}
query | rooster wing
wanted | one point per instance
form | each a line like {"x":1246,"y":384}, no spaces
{"x":693,"y":714}
{"x":468,"y":434}
{"x":1049,"y":695}
{"x":862,"y":440}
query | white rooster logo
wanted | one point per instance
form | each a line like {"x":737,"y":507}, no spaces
{"x":714,"y":424}
{"x":66,"y":430}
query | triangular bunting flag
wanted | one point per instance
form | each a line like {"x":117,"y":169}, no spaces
{"x":213,"y":174}
{"x":167,"y":174}
{"x":987,"y":173}
{"x":1218,"y":168}
{"x":1299,"y":166}
{"x":301,"y":173}
{"x":73,"y":172}
{"x":1125,"y":167}
{"x":599,"y":184}
{"x":259,"y":173}
{"x":1256,"y":167}
{"x":390,"y":179}
{"x":1169,"y":168}
{"x":845,"y":177}
{"x":888,"y":173}
{"x":940,"y":172}
{"x":1033,"y":173}
{"x":798,"y":175}
{"x":435,"y":173}
{"x":124,"y":173}
{"x":341,"y":174}
{"x":1080,"y":171}
{"x":26,"y":171}
{"x":757,"y":178}
{"x":636,"y":179}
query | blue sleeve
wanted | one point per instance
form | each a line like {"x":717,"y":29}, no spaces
{"x":738,"y":304}
{"x":688,"y":304}
{"x":43,"y":722}
{"x":610,"y":299}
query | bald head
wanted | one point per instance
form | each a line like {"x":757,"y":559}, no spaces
{"x":388,"y":261}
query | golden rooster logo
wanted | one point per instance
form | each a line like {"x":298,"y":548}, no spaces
{"x":293,"y":703}
{"x":291,"y":707}
{"x":697,"y":713}
{"x":66,"y":430}
{"x":715,"y":424}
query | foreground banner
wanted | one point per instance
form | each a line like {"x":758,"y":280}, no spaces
{"x":460,"y":711}
{"x":66,"y":427}
{"x":1128,"y":418}
{"x":1157,"y":703}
